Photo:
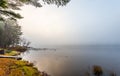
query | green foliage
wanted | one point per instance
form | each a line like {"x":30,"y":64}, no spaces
{"x":23,"y":63}
{"x":3,"y":3}
{"x":27,"y":68}
{"x":56,"y":2}
{"x":19,"y":48}
{"x":29,"y":71}
{"x":10,"y":13}
{"x":10,"y":33}
{"x":12,"y":53}
{"x":7,"y":7}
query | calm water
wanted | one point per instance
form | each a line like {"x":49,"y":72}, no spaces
{"x":75,"y":60}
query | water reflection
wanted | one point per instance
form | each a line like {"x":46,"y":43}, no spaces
{"x":74,"y":61}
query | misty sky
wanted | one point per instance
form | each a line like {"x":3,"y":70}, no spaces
{"x":80,"y":22}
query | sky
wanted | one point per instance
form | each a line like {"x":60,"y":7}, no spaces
{"x":79,"y":22}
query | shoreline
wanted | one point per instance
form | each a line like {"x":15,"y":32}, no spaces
{"x":24,"y":67}
{"x":12,"y":65}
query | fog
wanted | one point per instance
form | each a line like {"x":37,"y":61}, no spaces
{"x":80,"y":22}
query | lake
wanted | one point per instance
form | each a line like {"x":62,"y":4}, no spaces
{"x":75,"y":60}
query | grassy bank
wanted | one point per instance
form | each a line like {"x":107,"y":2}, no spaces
{"x":12,"y":67}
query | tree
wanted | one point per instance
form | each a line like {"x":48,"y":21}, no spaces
{"x":7,"y":7}
{"x":10,"y":33}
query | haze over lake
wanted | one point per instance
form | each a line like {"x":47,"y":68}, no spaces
{"x":79,"y":22}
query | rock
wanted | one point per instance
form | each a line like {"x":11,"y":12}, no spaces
{"x":97,"y":70}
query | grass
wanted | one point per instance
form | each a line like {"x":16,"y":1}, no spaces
{"x":12,"y":53}
{"x":12,"y":67}
{"x":29,"y":71}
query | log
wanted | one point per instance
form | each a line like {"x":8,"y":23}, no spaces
{"x":13,"y":57}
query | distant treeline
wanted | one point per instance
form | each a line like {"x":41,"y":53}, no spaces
{"x":37,"y":49}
